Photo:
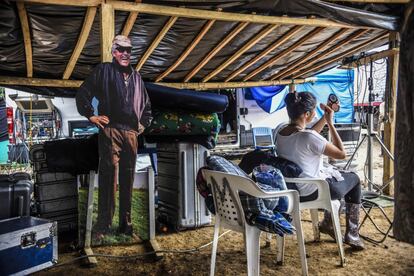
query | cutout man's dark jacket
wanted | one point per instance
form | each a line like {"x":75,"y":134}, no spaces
{"x":105,"y":83}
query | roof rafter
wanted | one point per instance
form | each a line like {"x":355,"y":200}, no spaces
{"x":225,"y":16}
{"x":156,"y":41}
{"x":338,"y":45}
{"x":273,"y":60}
{"x":264,"y":32}
{"x":302,"y":60}
{"x":24,"y":22}
{"x":188,"y":50}
{"x":216,"y":49}
{"x":342,"y":55}
{"x":274,"y":45}
{"x":372,"y":57}
{"x":129,"y":23}
{"x":84,"y":34}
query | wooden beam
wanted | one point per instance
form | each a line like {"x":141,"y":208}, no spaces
{"x":373,"y":1}
{"x":342,"y":55}
{"x":274,"y":45}
{"x":372,"y":57}
{"x":314,"y":60}
{"x":132,"y":17}
{"x":221,"y":85}
{"x":39,"y":82}
{"x":302,"y":60}
{"x":216,"y":49}
{"x":390,"y":110}
{"x":226,"y":16}
{"x":156,"y":41}
{"x":129,"y":23}
{"x":24,"y":22}
{"x":107,"y":31}
{"x":283,"y":53}
{"x":79,"y":3}
{"x":264,"y":32}
{"x":188,"y":50}
{"x":84,"y":34}
{"x":4,"y":80}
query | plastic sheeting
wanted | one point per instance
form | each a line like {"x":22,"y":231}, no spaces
{"x":337,"y":81}
{"x":269,"y":98}
{"x":55,"y":30}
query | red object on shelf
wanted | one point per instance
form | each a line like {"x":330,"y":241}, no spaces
{"x":10,"y":124}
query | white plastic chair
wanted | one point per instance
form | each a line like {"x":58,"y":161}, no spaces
{"x":230,"y":215}
{"x":263,"y":138}
{"x":325,"y":202}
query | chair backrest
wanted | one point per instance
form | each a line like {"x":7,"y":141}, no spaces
{"x":225,"y":189}
{"x":226,"y":201}
{"x":263,"y":137}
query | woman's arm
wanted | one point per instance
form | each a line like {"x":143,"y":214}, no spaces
{"x":319,"y":125}
{"x":336,"y":148}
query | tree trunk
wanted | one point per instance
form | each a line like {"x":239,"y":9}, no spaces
{"x":404,"y":146}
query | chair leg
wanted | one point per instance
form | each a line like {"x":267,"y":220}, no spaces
{"x":214,"y":249}
{"x":315,"y":224}
{"x":301,"y":241}
{"x":280,"y":243}
{"x":252,"y":246}
{"x":337,"y":228}
{"x":268,"y":239}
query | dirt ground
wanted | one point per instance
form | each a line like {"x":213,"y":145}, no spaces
{"x":389,"y":258}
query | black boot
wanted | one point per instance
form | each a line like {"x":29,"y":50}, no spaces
{"x":326,"y":226}
{"x":352,"y":222}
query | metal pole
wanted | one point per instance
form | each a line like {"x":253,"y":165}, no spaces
{"x":370,"y":127}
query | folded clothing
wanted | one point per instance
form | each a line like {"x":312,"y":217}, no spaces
{"x":271,"y":179}
{"x":256,"y":209}
{"x":254,"y":158}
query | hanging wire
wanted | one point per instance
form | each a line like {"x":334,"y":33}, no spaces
{"x":137,"y":256}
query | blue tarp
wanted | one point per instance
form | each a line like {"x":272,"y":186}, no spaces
{"x":337,"y":81}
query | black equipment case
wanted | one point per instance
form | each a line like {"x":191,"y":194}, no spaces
{"x":15,"y":193}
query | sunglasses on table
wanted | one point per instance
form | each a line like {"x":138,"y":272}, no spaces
{"x":123,"y":49}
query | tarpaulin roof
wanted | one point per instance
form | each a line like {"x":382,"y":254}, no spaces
{"x":54,"y":47}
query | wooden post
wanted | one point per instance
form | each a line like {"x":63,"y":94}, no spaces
{"x":87,"y":250}
{"x":389,"y":125}
{"x":107,"y":31}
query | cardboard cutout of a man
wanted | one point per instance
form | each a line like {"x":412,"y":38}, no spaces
{"x":124,"y":110}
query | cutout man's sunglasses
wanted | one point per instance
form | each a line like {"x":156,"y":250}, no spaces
{"x":123,"y":49}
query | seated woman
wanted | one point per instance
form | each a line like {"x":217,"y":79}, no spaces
{"x":305,"y":147}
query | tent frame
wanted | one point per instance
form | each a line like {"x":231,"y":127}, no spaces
{"x":296,"y":71}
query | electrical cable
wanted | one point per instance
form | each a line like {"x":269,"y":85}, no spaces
{"x":136,"y":256}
